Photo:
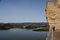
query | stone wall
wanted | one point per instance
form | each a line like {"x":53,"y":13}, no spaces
{"x":53,"y":14}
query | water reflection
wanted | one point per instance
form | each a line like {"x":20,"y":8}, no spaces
{"x":22,"y":34}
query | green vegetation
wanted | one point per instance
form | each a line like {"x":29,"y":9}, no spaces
{"x":5,"y":26}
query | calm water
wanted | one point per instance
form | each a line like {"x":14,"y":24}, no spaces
{"x":22,"y":34}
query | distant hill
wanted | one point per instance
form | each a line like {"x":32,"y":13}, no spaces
{"x":26,"y":23}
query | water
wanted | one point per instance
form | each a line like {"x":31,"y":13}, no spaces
{"x":22,"y":34}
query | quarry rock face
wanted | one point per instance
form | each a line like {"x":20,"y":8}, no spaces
{"x":53,"y":14}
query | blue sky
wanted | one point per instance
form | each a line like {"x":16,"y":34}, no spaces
{"x":22,"y":11}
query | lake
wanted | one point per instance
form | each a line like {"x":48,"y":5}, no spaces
{"x":22,"y":34}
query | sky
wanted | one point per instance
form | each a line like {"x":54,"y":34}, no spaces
{"x":18,"y":11}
